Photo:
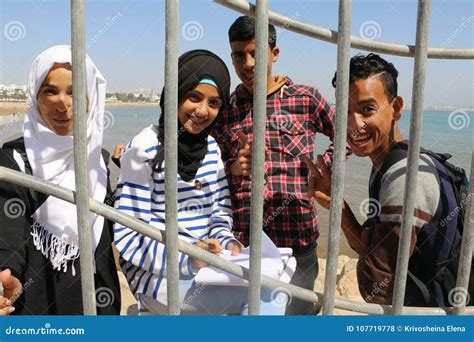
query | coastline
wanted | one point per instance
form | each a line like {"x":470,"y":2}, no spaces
{"x":8,"y":108}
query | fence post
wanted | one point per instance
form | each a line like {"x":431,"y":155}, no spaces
{"x":258,"y":154}
{"x":171,"y":155}
{"x":416,"y":121}
{"x":81,"y":169}
{"x":338,"y":169}
{"x":465,"y":259}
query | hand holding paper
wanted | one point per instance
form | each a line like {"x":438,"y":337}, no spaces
{"x":274,"y":261}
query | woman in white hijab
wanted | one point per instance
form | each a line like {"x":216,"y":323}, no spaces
{"x":39,"y":250}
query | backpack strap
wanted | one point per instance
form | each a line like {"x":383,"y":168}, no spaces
{"x":18,"y":146}
{"x":425,"y":292}
{"x":397,"y":153}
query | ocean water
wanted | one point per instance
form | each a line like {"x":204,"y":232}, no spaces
{"x":443,"y":131}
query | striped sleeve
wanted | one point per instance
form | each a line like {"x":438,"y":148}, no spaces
{"x":221,"y":216}
{"x":427,"y":193}
{"x":134,"y":198}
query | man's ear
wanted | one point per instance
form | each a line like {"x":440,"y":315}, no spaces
{"x":397,"y":106}
{"x":275,"y":53}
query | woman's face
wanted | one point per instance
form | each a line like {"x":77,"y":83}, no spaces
{"x":199,"y":108}
{"x":55,"y":99}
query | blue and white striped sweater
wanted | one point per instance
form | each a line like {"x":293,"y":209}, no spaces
{"x":205,"y":211}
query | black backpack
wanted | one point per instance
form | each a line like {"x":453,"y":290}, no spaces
{"x":445,"y":272}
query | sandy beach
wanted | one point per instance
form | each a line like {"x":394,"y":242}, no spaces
{"x":8,"y":108}
{"x":346,"y":286}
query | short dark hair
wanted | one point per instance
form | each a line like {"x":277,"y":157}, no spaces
{"x":243,"y":29}
{"x":363,"y":67}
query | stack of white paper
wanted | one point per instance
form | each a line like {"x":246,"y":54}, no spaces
{"x":274,"y":261}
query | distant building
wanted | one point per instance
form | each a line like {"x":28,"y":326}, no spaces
{"x":13,"y":88}
{"x":113,"y":98}
{"x":153,"y":97}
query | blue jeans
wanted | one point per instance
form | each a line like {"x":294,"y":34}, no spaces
{"x":202,"y":299}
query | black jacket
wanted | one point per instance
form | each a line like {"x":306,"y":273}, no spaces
{"x":47,"y":291}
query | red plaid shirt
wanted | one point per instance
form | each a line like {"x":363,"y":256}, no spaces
{"x":295,"y":113}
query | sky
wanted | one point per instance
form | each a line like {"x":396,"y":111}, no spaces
{"x":126,"y":40}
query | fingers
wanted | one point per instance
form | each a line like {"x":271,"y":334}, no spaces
{"x":235,"y":248}
{"x":7,"y":310}
{"x":311,"y":180}
{"x":6,"y":307}
{"x":198,"y":264}
{"x":243,"y":140}
{"x":245,"y":162}
{"x":210,"y":245}
{"x":5,"y":302}
{"x":323,"y":199}
{"x":5,"y":274}
{"x":311,"y":166}
{"x":246,"y":169}
{"x":118,"y":151}
{"x":322,"y":167}
{"x":9,"y":281}
{"x":245,"y":155}
{"x":213,"y":246}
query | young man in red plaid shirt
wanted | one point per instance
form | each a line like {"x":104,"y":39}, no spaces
{"x":295,"y":113}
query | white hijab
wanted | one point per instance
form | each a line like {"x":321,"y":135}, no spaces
{"x":51,"y":156}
